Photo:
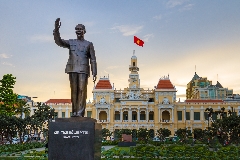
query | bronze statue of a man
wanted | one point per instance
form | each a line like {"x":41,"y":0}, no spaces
{"x":80,"y":52}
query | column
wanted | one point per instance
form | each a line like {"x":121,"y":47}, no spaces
{"x":121,"y":115}
{"x":97,"y":114}
{"x":185,"y":114}
{"x":147,"y":115}
{"x":129,"y":115}
{"x":59,"y":112}
{"x":66,"y":115}
{"x":202,"y":114}
{"x":107,"y":111}
{"x":173,"y":115}
{"x":191,"y":113}
{"x":138,"y":114}
{"x":109,"y":115}
{"x":159,"y":115}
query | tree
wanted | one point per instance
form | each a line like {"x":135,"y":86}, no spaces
{"x":40,"y":120}
{"x":8,"y":126}
{"x":210,"y":112}
{"x":163,"y":133}
{"x":183,"y":133}
{"x":7,"y":96}
{"x":227,"y":129}
{"x":143,"y":134}
{"x":198,"y":133}
{"x":134,"y":134}
{"x":151,"y":133}
{"x":22,"y":108}
{"x":106,"y":133}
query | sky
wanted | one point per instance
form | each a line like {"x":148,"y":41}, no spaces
{"x":178,"y":35}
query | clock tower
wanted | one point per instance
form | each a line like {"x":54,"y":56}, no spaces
{"x":134,"y":81}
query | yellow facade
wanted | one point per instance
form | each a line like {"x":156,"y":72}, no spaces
{"x":134,"y":107}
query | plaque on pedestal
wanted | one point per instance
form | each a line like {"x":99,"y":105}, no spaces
{"x":75,"y":138}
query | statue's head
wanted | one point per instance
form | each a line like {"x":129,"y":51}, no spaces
{"x":80,"y":30}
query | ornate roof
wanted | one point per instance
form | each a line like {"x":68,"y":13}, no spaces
{"x":58,"y":101}
{"x":103,"y":83}
{"x":195,"y":76}
{"x":219,"y":85}
{"x":165,"y":83}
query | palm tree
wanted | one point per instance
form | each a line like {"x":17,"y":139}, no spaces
{"x":22,"y":108}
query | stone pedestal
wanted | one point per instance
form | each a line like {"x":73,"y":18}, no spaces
{"x":75,"y":138}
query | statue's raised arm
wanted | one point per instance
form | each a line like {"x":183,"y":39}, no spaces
{"x":57,"y":24}
{"x":60,"y":42}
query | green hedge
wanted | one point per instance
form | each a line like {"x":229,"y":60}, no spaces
{"x":173,"y":152}
{"x":11,"y":148}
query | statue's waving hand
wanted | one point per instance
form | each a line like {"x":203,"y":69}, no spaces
{"x":57,"y":24}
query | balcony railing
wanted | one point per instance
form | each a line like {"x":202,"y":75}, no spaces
{"x":103,"y":121}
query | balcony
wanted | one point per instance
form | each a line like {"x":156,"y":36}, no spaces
{"x":103,"y":121}
{"x":166,"y":121}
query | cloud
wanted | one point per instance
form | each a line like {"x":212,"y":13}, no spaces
{"x":147,"y":37}
{"x":8,"y":64}
{"x":186,"y":7}
{"x":128,"y":30}
{"x":174,"y":3}
{"x":42,"y":38}
{"x":4,"y":55}
{"x":159,"y":17}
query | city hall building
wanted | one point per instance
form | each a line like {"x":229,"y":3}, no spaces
{"x":134,"y":107}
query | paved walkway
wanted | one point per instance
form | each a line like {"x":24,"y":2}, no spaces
{"x":107,"y":147}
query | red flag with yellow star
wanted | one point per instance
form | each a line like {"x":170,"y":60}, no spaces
{"x":138,"y":41}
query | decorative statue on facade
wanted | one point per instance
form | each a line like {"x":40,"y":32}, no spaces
{"x":165,"y":101}
{"x":80,"y":52}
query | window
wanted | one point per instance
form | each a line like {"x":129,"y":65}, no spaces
{"x":63,"y":114}
{"x":125,"y":116}
{"x":117,"y":116}
{"x":151,"y":100}
{"x":206,"y":115}
{"x":89,"y":114}
{"x":179,"y":113}
{"x":196,"y":116}
{"x":187,"y":115}
{"x":117,"y":99}
{"x":142,"y":116}
{"x":224,"y":115}
{"x":134,"y":116}
{"x":70,"y":114}
{"x":151,"y":116}
{"x":55,"y":115}
{"x":214,"y":116}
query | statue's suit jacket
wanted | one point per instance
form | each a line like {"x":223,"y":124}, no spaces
{"x":80,"y":52}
